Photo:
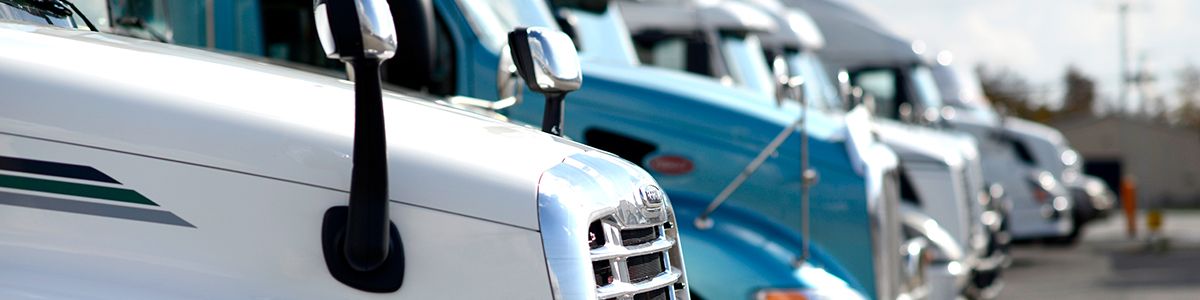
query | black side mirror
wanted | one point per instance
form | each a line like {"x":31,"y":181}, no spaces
{"x":549,"y":64}
{"x":361,"y":245}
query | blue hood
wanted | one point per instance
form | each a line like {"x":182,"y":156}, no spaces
{"x":764,"y":251}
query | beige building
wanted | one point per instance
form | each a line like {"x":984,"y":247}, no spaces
{"x":1165,"y":161}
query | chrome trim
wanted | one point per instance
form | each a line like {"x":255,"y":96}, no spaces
{"x":611,"y":251}
{"x":621,"y":290}
{"x":590,"y":187}
{"x":883,"y":201}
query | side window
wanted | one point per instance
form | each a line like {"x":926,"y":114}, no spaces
{"x":880,"y":84}
{"x":443,"y":77}
{"x":683,"y":52}
{"x":670,"y":54}
{"x":290,"y":34}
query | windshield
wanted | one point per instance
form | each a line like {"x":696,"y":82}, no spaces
{"x":493,"y":19}
{"x":144,"y":19}
{"x":604,"y":37}
{"x":747,"y":65}
{"x":25,"y":11}
{"x":819,"y":90}
{"x":959,"y":88}
{"x":926,"y":88}
{"x":881,"y":85}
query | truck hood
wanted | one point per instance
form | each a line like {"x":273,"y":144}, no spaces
{"x":694,"y":94}
{"x":1033,"y":130}
{"x":918,"y":144}
{"x":211,"y":110}
{"x":1045,"y":142}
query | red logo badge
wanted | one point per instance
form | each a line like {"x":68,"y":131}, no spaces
{"x":671,"y":165}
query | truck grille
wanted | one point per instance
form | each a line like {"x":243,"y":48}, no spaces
{"x":642,"y":268}
{"x":659,"y":294}
{"x":886,"y":233}
{"x":608,"y":232}
{"x":636,"y":262}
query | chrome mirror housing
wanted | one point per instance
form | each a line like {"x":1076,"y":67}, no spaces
{"x":780,"y":70}
{"x":546,"y":59}
{"x":847,"y":90}
{"x":787,"y":86}
{"x":364,"y":30}
{"x":549,"y":64}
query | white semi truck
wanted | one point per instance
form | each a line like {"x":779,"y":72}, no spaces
{"x":132,"y":169}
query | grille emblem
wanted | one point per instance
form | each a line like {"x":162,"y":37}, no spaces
{"x":652,"y":197}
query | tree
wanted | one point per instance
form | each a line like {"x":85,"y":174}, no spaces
{"x":1081,"y":92}
{"x":1007,"y":89}
{"x":1188,"y":91}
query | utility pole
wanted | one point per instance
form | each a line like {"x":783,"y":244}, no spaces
{"x":1123,"y":47}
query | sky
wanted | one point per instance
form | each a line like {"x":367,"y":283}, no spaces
{"x":1039,"y":39}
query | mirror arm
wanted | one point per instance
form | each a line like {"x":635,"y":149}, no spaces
{"x":367,"y":242}
{"x":552,"y":117}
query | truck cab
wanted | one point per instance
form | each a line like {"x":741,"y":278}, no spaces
{"x":726,"y":47}
{"x":137,"y":169}
{"x":1019,"y":153}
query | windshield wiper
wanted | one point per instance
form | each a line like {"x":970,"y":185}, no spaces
{"x":57,"y":8}
{"x":80,"y":14}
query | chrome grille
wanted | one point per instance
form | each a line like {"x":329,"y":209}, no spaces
{"x":886,"y":236}
{"x":607,"y":232}
{"x":639,"y":260}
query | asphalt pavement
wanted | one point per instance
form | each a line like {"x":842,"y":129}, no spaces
{"x":1107,"y":264}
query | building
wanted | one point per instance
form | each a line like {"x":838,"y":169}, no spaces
{"x":1163,"y":160}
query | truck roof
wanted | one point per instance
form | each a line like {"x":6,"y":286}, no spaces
{"x":207,"y":109}
{"x":687,"y":16}
{"x":797,"y":30}
{"x":854,"y":39}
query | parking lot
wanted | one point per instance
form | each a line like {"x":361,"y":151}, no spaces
{"x":1108,"y":265}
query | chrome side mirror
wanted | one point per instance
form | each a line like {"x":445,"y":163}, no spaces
{"x":787,"y":86}
{"x":846,"y":90}
{"x":548,"y":62}
{"x":352,"y":30}
{"x":780,"y":70}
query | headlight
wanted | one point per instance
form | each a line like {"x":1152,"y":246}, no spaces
{"x":1042,"y":183}
{"x":808,"y":294}
{"x":1069,"y":157}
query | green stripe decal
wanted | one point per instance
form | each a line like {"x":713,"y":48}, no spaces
{"x":73,"y":189}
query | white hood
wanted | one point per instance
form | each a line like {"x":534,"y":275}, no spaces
{"x":217,"y":111}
